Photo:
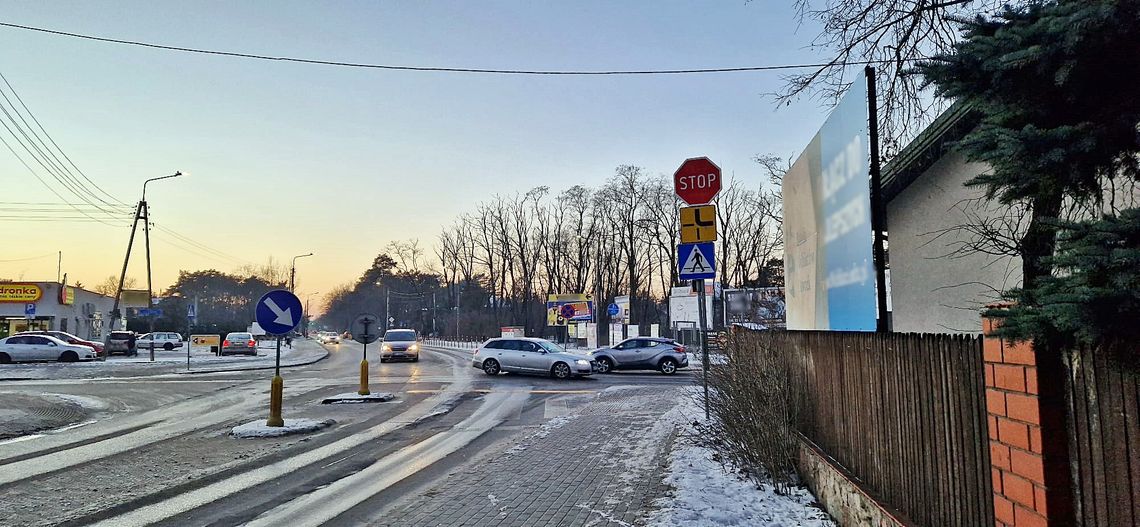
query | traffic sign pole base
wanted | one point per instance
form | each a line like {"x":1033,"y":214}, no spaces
{"x":363,"y":378}
{"x":275,"y":390}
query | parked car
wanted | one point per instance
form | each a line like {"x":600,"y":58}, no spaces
{"x":400,"y":344}
{"x":529,"y":355}
{"x":70,"y":339}
{"x":119,"y":342}
{"x":19,"y":348}
{"x":166,"y":340}
{"x":242,"y":342}
{"x":642,"y":353}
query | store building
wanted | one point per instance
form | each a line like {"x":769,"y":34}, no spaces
{"x":54,"y":306}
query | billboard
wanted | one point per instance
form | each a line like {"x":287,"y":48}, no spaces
{"x":764,"y":305}
{"x":828,"y":265}
{"x":135,"y":298}
{"x":684,"y":306}
{"x":20,"y":293}
{"x":562,"y":309}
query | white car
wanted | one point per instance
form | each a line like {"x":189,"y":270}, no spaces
{"x":167,"y":340}
{"x":19,"y":348}
{"x":329,"y":337}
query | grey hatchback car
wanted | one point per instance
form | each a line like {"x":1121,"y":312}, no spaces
{"x":530,"y":355}
{"x":642,"y":353}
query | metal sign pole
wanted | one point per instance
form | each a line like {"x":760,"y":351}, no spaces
{"x":704,"y":341}
{"x":364,"y":360}
{"x":275,"y":390}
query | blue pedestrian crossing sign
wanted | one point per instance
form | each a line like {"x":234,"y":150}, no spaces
{"x":278,"y":312}
{"x":696,"y":261}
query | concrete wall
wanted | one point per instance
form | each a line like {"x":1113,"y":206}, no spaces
{"x":936,"y":287}
{"x":841,"y":497}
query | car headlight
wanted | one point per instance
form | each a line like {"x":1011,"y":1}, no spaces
{"x":386,"y":347}
{"x":583,"y":362}
{"x":413,"y":347}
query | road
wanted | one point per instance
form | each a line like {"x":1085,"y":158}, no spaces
{"x":155,"y":449}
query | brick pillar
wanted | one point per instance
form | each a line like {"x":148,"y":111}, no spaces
{"x":1028,"y":445}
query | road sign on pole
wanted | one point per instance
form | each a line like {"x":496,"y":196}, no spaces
{"x":30,"y":310}
{"x":613,"y":309}
{"x":278,"y":312}
{"x":697,"y":181}
{"x":365,"y":329}
{"x":698,"y":224}
{"x":696,"y":261}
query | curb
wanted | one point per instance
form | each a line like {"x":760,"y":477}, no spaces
{"x":253,"y":369}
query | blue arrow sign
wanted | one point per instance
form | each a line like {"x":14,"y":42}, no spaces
{"x":613,"y":309}
{"x":278,"y":312}
{"x":696,"y":261}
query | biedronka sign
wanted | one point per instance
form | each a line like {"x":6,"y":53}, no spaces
{"x":20,"y":293}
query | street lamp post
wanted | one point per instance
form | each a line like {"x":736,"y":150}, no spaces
{"x":293,"y":270}
{"x":142,"y":212}
{"x":305,"y":318}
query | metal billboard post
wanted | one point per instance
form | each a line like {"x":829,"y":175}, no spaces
{"x":702,"y":320}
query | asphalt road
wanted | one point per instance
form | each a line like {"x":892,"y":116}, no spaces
{"x":155,"y":449}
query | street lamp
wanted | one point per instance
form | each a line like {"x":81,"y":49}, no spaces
{"x":307,"y":315}
{"x":142,"y":212}
{"x":293,"y":270}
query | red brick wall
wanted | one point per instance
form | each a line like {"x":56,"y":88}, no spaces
{"x":1014,"y":408}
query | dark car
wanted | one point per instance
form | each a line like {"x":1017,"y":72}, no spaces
{"x":642,"y":353}
{"x":70,"y":339}
{"x":122,"y":342}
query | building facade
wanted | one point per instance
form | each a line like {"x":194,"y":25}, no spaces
{"x":53,"y":306}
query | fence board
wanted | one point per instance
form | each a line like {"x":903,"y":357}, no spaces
{"x":905,"y":413}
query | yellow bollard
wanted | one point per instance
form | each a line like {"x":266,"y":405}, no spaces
{"x":275,"y":402}
{"x":363,"y":377}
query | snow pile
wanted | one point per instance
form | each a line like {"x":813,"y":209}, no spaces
{"x":353,"y":398}
{"x":553,"y":425}
{"x":707,"y":495}
{"x":292,"y":426}
{"x":89,"y":403}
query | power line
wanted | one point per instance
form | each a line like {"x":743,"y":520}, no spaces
{"x":238,"y":54}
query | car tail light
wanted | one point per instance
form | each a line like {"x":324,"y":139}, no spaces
{"x":679,"y":349}
{"x":226,"y":343}
{"x":253,"y":343}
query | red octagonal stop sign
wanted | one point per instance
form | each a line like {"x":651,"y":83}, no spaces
{"x":697,"y":181}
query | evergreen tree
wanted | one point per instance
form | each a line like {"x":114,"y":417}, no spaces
{"x":1055,"y":83}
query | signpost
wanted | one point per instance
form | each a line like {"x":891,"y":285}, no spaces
{"x":365,"y":329}
{"x":278,"y":312}
{"x":697,"y":182}
{"x":30,"y":311}
{"x":613,"y":310}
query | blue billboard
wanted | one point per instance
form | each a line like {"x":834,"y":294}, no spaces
{"x":828,"y":262}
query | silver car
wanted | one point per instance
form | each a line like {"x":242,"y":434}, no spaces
{"x":642,"y":353}
{"x":240,"y":342}
{"x":400,"y":344}
{"x":530,"y":355}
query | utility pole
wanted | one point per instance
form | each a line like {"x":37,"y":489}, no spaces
{"x":149,"y":282}
{"x":433,"y":312}
{"x":458,"y":291}
{"x":293,"y":271}
{"x":387,"y":303}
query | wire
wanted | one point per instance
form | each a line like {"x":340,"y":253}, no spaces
{"x":243,"y":55}
{"x":28,"y":258}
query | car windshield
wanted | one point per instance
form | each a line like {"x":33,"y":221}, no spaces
{"x":551,"y":347}
{"x":400,"y":335}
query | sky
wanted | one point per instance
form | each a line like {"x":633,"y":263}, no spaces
{"x":284,"y":159}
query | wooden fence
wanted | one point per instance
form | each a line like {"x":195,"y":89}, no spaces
{"x":904,"y":413}
{"x":1104,"y":438}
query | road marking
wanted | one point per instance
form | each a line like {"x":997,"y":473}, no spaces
{"x":324,"y":504}
{"x":230,"y":486}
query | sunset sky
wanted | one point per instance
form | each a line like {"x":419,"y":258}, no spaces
{"x":285,"y":159}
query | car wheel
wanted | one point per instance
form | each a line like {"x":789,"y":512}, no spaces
{"x":668,"y":366}
{"x":605,"y":365}
{"x":68,"y":356}
{"x":5,"y":359}
{"x":491,"y":367}
{"x":168,"y":346}
{"x":561,"y":370}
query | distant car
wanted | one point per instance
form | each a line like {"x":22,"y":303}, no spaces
{"x":70,"y":339}
{"x":19,"y":348}
{"x":239,"y":343}
{"x":400,"y":344}
{"x":530,"y":355}
{"x":119,"y":342}
{"x":642,"y":353}
{"x":328,"y":337}
{"x":166,"y":340}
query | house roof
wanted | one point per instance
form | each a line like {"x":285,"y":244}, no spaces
{"x":923,"y":151}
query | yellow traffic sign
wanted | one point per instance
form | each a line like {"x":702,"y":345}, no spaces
{"x":698,"y":224}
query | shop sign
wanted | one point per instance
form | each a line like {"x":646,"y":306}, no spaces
{"x":20,"y":293}
{"x":67,"y":295}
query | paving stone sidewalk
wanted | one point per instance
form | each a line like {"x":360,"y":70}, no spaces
{"x":600,"y":465}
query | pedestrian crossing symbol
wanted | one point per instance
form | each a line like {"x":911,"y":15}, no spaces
{"x":696,"y":261}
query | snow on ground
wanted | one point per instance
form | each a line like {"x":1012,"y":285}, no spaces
{"x":707,"y":495}
{"x":89,"y":403}
{"x":258,"y":428}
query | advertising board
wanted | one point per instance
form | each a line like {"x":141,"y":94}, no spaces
{"x":581,"y":309}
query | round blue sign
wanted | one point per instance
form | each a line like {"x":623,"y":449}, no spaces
{"x":278,"y":312}
{"x":613,"y":309}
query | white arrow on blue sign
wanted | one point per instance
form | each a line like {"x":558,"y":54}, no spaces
{"x":696,"y":261}
{"x":278,"y":312}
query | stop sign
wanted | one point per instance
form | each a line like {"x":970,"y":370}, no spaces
{"x":697,"y":181}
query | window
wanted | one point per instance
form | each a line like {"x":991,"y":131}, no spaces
{"x":646,"y":343}
{"x":39,"y":341}
{"x":528,"y":346}
{"x":629,"y":344}
{"x":513,"y":345}
{"x":494,"y":345}
{"x":18,"y":340}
